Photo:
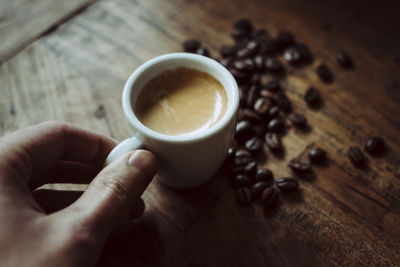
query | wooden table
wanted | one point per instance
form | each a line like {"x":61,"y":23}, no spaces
{"x":66,"y":60}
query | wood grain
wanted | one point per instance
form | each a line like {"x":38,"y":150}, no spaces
{"x":342,"y":216}
{"x":23,"y":21}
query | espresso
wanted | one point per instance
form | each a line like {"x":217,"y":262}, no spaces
{"x":181,"y":101}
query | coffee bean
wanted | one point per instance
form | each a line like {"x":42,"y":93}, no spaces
{"x":268,"y":47}
{"x":243,"y":130}
{"x":284,"y":40}
{"x":227,"y":62}
{"x":263,"y":174}
{"x":251,"y":96}
{"x":254,"y":145}
{"x":271,"y":96}
{"x":203,"y":52}
{"x":344,"y":60}
{"x":245,"y":53}
{"x":292,"y":55}
{"x":255,"y":79}
{"x":299,"y":165}
{"x":297,"y":119}
{"x":374,"y":145}
{"x":273,"y":112}
{"x":251,"y":115}
{"x":276,"y":125}
{"x":273,"y":141}
{"x":242,"y":157}
{"x":243,"y":25}
{"x":240,"y":36}
{"x":270,"y":197}
{"x":259,"y":62}
{"x":230,"y":154}
{"x":306,"y":55}
{"x":356,"y":156}
{"x":250,"y":169}
{"x":260,"y":130}
{"x":317,"y":155}
{"x":287,"y":184}
{"x":283,"y":102}
{"x":312,"y":97}
{"x":273,"y":86}
{"x":228,"y":51}
{"x":244,"y":195}
{"x":191,"y":46}
{"x":258,"y":187}
{"x":245,"y":65}
{"x":273,"y":65}
{"x":241,"y":180}
{"x":324,"y":73}
{"x":261,"y":106}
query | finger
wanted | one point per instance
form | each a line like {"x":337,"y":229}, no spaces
{"x":69,"y":172}
{"x":113,"y":192}
{"x":54,"y":200}
{"x":33,"y":149}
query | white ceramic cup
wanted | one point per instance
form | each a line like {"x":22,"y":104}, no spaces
{"x":189,"y":160}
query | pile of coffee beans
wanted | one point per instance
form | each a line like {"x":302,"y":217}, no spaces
{"x":258,"y":62}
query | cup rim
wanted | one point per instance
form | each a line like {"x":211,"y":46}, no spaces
{"x":139,"y":126}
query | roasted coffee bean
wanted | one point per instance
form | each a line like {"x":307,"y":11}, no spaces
{"x":250,"y":169}
{"x":244,"y":195}
{"x":344,"y":60}
{"x":260,"y":130}
{"x":245,"y":65}
{"x":276,"y":125}
{"x":287,"y":184}
{"x":261,"y":35}
{"x":284,"y":40}
{"x":261,"y":106}
{"x":299,"y":165}
{"x":271,"y":96}
{"x":241,"y":180}
{"x":273,"y":112}
{"x":240,"y":36}
{"x":306,"y":56}
{"x":251,"y":96}
{"x":273,"y":65}
{"x":230,"y":154}
{"x":268,"y":47}
{"x":317,"y":155}
{"x":312,"y":97}
{"x":243,"y":129}
{"x":324,"y":73}
{"x":273,"y":85}
{"x":191,"y":46}
{"x":251,"y":115}
{"x":258,"y":187}
{"x":297,"y":119}
{"x":374,"y":145}
{"x":356,"y":156}
{"x":273,"y":141}
{"x":242,"y":100}
{"x":228,"y":51}
{"x":203,"y":52}
{"x":270,"y":197}
{"x":259,"y":62}
{"x":263,"y":174}
{"x":227,"y":62}
{"x":243,"y":25}
{"x":292,"y":55}
{"x":254,"y":145}
{"x":284,"y":102}
{"x":245,"y":53}
{"x":240,"y":76}
{"x":255,"y":79}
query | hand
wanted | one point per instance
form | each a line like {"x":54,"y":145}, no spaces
{"x":76,"y":230}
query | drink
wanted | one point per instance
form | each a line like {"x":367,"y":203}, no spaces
{"x":181,"y":101}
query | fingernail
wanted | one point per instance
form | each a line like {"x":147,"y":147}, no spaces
{"x":141,"y":159}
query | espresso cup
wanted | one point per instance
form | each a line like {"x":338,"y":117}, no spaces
{"x":185,"y":161}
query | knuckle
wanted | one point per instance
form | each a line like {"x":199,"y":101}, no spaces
{"x":115,"y":187}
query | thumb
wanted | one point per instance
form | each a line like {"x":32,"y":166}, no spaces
{"x":112,"y":193}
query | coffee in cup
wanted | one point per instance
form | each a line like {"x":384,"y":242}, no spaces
{"x":181,"y":101}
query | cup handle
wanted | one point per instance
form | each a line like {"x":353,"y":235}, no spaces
{"x":123,"y":148}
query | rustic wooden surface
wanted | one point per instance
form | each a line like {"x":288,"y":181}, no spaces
{"x":63,"y":60}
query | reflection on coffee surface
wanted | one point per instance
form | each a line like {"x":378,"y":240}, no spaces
{"x":181,"y":101}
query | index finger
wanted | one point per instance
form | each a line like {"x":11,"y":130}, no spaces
{"x":34,"y":149}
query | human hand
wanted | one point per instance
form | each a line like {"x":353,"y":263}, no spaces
{"x":75,"y":233}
